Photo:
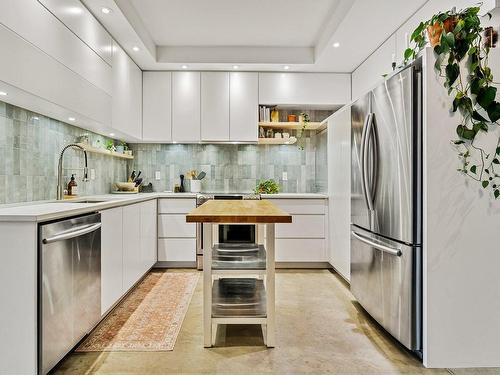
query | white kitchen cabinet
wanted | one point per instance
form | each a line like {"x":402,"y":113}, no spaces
{"x":157,"y":106}
{"x":177,"y":249}
{"x":215,"y":106}
{"x":111,"y":257}
{"x":305,"y":226}
{"x":149,"y":242}
{"x":186,"y":107}
{"x":301,"y":250}
{"x":132,"y":260}
{"x":127,"y":94}
{"x":304,"y":88}
{"x":243,"y":106}
{"x":339,"y":186}
{"x":174,"y":225}
{"x":176,"y":205}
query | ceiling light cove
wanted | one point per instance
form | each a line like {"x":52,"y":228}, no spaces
{"x":336,"y":45}
{"x":286,"y":67}
{"x":236,"y":67}
{"x":136,"y":49}
{"x":184,"y":66}
{"x":106,"y":10}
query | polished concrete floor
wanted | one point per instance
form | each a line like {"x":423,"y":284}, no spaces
{"x":320,"y":330}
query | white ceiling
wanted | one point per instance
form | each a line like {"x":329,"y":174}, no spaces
{"x":257,"y":35}
{"x":278,"y":23}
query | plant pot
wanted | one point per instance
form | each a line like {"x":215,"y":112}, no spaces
{"x":195,"y":186}
{"x":120,"y":149}
{"x":434,"y":31}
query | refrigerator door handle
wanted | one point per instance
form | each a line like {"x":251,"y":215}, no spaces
{"x":365,"y":163}
{"x":364,"y":136}
{"x":386,"y":249}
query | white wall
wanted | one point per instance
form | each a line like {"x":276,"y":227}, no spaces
{"x":370,"y":72}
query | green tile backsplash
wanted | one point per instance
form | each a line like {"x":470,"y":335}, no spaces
{"x":29,"y":150}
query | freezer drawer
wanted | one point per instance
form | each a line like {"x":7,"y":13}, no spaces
{"x":386,"y":281}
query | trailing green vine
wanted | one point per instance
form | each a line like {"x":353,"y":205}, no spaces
{"x":459,"y":40}
{"x":305,"y":119}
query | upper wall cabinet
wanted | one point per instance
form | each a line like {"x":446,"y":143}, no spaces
{"x":80,"y":21}
{"x":157,"y":106}
{"x":304,"y":88}
{"x":243,"y":106}
{"x":215,"y":106}
{"x":186,"y":107}
{"x":127,"y":94}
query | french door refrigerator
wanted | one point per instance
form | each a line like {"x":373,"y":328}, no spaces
{"x":386,"y":186}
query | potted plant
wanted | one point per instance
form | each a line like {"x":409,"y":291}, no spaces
{"x":110,"y":146}
{"x":121,"y":147}
{"x":460,"y":43}
{"x":267,"y":187}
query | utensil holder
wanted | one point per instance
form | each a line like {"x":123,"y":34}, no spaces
{"x":195,"y":186}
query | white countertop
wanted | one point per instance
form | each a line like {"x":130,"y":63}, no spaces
{"x":41,"y":211}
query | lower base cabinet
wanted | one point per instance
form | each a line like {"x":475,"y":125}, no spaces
{"x":128,"y":248}
{"x":177,"y":249}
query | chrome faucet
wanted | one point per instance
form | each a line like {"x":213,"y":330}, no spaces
{"x":60,"y":168}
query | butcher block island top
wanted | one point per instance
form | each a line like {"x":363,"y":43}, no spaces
{"x":238,"y":211}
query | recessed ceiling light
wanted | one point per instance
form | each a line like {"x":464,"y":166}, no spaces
{"x":236,"y":67}
{"x":3,"y":93}
{"x":75,"y":10}
{"x":135,"y":48}
{"x":106,"y":10}
{"x":286,"y":67}
{"x":111,"y":134}
{"x":336,"y":45}
{"x":184,"y":67}
{"x":71,"y":118}
{"x":35,"y":118}
{"x":174,"y":142}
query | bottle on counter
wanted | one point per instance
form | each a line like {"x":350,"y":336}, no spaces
{"x":72,"y":186}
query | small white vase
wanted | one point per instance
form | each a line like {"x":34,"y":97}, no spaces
{"x":195,"y":186}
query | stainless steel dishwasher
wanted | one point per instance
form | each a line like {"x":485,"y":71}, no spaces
{"x":69,"y":285}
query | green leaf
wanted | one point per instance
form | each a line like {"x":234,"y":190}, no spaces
{"x":498,"y":151}
{"x":496,"y":161}
{"x":408,"y":53}
{"x":460,"y":25}
{"x":417,"y":31}
{"x":497,"y":193}
{"x":465,"y":133}
{"x":480,"y":126}
{"x":486,"y":96}
{"x":449,"y":38}
{"x":485,"y":184}
{"x":494,"y":111}
{"x":476,"y":116}
{"x":462,"y":142}
{"x":452,"y":72}
{"x":473,"y":169}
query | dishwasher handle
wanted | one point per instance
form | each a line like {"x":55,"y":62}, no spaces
{"x":76,"y":232}
{"x":386,"y":249}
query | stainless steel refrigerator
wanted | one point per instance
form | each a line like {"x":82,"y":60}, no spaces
{"x":386,"y":207}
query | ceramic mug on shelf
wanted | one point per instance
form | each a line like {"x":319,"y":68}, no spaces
{"x":277,"y":135}
{"x":195,"y":186}
{"x":286,"y":135}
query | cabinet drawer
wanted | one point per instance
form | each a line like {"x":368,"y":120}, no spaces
{"x":176,"y":205}
{"x":177,"y":249}
{"x":301,"y":206}
{"x":302,"y":226}
{"x":300,"y":250}
{"x":175,"y":226}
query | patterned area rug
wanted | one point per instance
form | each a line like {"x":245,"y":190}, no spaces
{"x":149,"y":318}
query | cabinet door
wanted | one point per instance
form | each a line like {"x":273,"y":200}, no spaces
{"x":132,"y":260}
{"x":243,"y":106}
{"x":339,"y":186}
{"x":177,"y":249}
{"x":186,"y":107}
{"x":215,"y":106}
{"x":148,"y":234}
{"x":111,"y":257}
{"x":127,"y":94}
{"x":157,"y":106}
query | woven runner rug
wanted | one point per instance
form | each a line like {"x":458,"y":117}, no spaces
{"x":149,"y":318}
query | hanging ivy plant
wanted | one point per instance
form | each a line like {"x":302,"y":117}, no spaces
{"x":304,"y":119}
{"x":459,"y":41}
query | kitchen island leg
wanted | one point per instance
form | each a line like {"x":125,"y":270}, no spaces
{"x":270,"y":292}
{"x":207,"y":287}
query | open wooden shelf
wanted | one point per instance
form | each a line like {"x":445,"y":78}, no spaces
{"x":277,"y":141}
{"x":103,"y":151}
{"x":290,"y":125}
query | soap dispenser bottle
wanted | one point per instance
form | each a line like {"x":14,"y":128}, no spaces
{"x":72,"y":186}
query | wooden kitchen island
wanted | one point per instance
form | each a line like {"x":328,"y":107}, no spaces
{"x":238,"y":280}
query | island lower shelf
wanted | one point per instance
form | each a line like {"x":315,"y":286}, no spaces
{"x":238,"y":298}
